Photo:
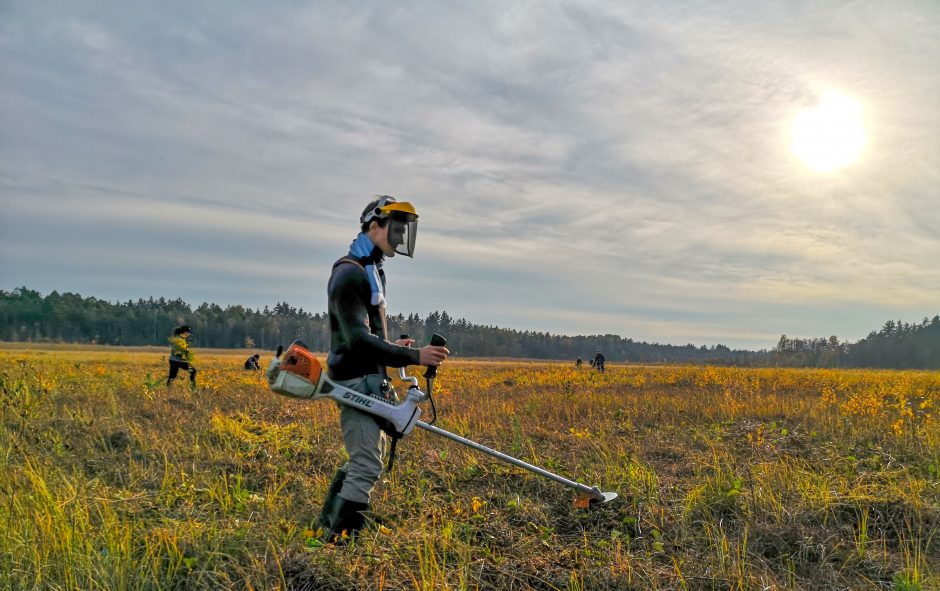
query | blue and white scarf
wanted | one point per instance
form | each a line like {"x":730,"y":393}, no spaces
{"x":363,"y":251}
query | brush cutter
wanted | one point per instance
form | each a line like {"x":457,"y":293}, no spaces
{"x":299,"y":375}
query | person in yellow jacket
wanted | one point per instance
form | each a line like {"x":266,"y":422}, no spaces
{"x":181,"y":356}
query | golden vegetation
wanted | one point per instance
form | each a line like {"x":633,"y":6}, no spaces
{"x":729,"y":479}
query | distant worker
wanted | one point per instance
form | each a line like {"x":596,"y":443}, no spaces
{"x":579,"y":362}
{"x":181,"y":356}
{"x":598,"y":362}
{"x":252,"y":362}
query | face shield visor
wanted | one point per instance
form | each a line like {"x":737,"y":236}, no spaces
{"x":402,"y":232}
{"x":402,"y":222}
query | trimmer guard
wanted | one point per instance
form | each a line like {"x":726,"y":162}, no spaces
{"x":596,"y":497}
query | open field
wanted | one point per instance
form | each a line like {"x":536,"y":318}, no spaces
{"x":729,"y":479}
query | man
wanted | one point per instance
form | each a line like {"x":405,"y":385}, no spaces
{"x":598,"y":362}
{"x":360,"y":351}
{"x":252,"y":362}
{"x":181,"y":356}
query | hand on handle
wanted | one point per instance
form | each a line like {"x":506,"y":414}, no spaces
{"x":434,"y":354}
{"x":405,"y":341}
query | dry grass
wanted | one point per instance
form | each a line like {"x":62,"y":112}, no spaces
{"x":729,"y":479}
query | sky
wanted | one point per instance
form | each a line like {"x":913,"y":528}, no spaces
{"x":579,"y":167}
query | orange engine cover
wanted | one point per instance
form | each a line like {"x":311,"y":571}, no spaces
{"x":300,"y":361}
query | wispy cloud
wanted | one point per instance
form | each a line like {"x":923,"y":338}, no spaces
{"x":579,"y":166}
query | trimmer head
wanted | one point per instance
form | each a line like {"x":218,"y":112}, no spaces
{"x":586,"y":501}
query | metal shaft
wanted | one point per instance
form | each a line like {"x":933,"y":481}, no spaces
{"x":594,"y":492}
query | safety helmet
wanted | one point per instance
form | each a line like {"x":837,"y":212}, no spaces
{"x":402,"y":224}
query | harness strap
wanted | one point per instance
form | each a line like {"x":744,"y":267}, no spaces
{"x":391,"y":453}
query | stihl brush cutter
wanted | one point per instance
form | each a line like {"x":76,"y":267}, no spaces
{"x":298,"y":374}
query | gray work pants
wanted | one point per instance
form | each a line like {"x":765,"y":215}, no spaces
{"x":365,"y":444}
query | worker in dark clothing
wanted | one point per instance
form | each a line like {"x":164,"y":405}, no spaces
{"x":252,"y":362}
{"x":181,"y":356}
{"x":598,"y":362}
{"x":578,"y":362}
{"x":360,"y":351}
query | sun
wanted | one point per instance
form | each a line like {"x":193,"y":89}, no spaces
{"x":830,"y":135}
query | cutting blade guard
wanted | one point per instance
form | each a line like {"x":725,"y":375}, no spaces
{"x":596,"y":497}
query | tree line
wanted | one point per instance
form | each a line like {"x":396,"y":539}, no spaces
{"x":27,"y":315}
{"x":898,"y":345}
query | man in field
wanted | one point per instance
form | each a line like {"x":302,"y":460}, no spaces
{"x":181,"y":356}
{"x":360,"y":352}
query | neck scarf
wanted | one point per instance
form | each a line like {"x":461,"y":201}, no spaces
{"x":370,"y":256}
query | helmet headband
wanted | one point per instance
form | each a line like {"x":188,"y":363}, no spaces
{"x":385,"y":207}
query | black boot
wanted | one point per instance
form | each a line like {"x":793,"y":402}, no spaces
{"x":348,"y":518}
{"x":329,"y":501}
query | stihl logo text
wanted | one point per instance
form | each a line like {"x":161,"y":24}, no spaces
{"x":356,"y":399}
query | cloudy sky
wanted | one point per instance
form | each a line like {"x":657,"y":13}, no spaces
{"x":579,"y":167}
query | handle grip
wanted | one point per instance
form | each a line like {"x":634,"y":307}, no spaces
{"x":437,"y":341}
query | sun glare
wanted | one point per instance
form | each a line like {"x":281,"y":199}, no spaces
{"x":829,"y":135}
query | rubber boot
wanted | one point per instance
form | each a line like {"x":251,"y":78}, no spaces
{"x":348,"y":518}
{"x":329,"y":501}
